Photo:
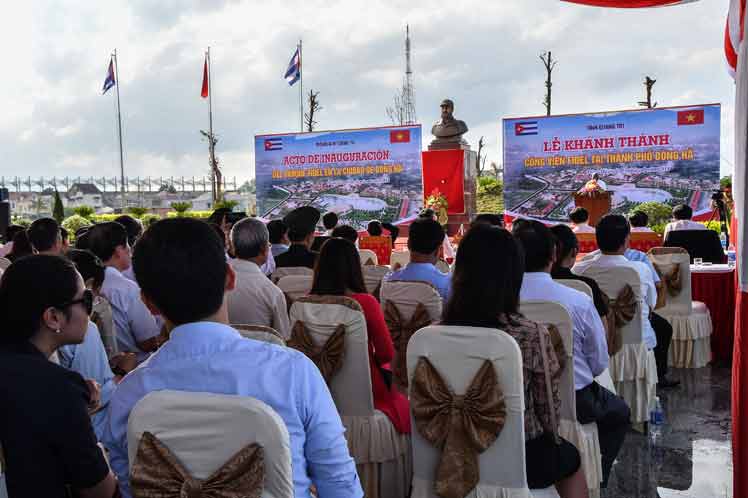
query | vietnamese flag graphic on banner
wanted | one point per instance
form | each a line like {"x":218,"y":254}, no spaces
{"x":399,"y":136}
{"x":630,"y":4}
{"x":693,"y":117}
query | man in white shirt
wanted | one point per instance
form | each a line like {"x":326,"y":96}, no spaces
{"x":682,"y":215}
{"x":590,"y":348}
{"x":613,"y":235}
{"x":255,"y":300}
{"x":639,"y":221}
{"x":136,"y":328}
{"x":580,"y":218}
{"x":134,"y":231}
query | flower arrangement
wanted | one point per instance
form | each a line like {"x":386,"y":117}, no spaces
{"x":438,"y":203}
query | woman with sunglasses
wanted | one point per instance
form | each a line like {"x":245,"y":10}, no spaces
{"x":48,"y":444}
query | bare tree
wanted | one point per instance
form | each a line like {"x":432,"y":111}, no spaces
{"x":396,"y":112}
{"x":480,"y":164}
{"x":549,"y":64}
{"x":648,"y":84}
{"x":215,"y":171}
{"x":498,"y":170}
{"x":314,"y":108}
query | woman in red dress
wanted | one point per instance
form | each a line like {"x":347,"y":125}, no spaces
{"x":338,"y":273}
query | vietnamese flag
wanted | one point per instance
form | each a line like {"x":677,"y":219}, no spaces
{"x":204,"y":91}
{"x":693,"y":117}
{"x":399,"y":136}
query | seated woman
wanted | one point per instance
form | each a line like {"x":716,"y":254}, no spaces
{"x":21,"y":247}
{"x":338,"y":273}
{"x":487,"y":295}
{"x":45,"y":426}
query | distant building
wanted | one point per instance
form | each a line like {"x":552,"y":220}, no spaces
{"x":85,"y":194}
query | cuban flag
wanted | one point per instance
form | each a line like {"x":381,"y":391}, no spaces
{"x":525,"y":128}
{"x":273,"y":144}
{"x":109,"y":81}
{"x":293,"y":73}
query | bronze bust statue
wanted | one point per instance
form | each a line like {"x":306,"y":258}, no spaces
{"x":448,"y":130}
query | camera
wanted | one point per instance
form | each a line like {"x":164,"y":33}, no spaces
{"x":718,"y":196}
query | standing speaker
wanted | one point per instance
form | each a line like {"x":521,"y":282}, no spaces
{"x":4,"y":196}
{"x":4,"y":217}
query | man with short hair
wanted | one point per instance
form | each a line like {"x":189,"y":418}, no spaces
{"x":682,"y":215}
{"x":424,"y":240}
{"x":135,"y":327}
{"x":590,"y":347}
{"x":204,"y":354}
{"x":44,"y":236}
{"x":279,"y":242}
{"x":346,"y":232}
{"x":330,"y":221}
{"x":10,"y":232}
{"x":301,"y":224}
{"x":255,"y":300}
{"x":134,"y":231}
{"x":491,"y":219}
{"x":580,"y":218}
{"x":374,"y":228}
{"x":639,"y":221}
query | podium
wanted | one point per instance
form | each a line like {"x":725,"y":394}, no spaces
{"x":598,"y":204}
{"x":452,"y":172}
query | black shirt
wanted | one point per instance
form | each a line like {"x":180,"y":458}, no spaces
{"x":45,"y":429}
{"x":600,"y":300}
{"x":297,"y":255}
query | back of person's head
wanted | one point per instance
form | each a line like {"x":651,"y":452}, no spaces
{"x":64,"y":235}
{"x":566,"y":242}
{"x":338,"y":269}
{"x":427,"y":213}
{"x":104,"y":239}
{"x":218,"y":216}
{"x":538,"y":245}
{"x":89,"y":266}
{"x":638,"y":219}
{"x":180,"y":265}
{"x":375,"y":228}
{"x":249,"y":238}
{"x":29,"y":287}
{"x":346,"y":232}
{"x":425,"y":236}
{"x":579,"y":215}
{"x":12,"y":230}
{"x":44,"y":234}
{"x":491,"y":219}
{"x":134,"y":228}
{"x":330,"y":220}
{"x":81,"y":238}
{"x":611,"y":232}
{"x":21,"y":246}
{"x":276,"y":231}
{"x":485,"y":288}
{"x":682,"y":212}
{"x":394,"y":231}
{"x":219,"y":232}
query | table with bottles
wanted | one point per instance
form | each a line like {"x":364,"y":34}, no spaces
{"x":714,"y":285}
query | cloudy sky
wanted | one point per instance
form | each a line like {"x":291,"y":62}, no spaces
{"x":482,"y":54}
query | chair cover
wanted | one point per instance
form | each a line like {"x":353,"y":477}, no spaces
{"x":205,"y":430}
{"x":260,"y":333}
{"x":368,"y":257}
{"x":691,"y":320}
{"x":442,"y":266}
{"x":382,"y":454}
{"x":290,"y":270}
{"x":584,"y":437}
{"x":4,"y":263}
{"x":295,"y":286}
{"x":3,"y":488}
{"x":381,"y":246}
{"x":373,"y":276}
{"x":633,"y":368}
{"x":398,"y":259}
{"x":458,"y":353}
{"x":102,"y":317}
{"x":576,"y":285}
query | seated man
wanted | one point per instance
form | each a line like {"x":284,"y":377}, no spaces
{"x":301,"y":223}
{"x":204,"y":354}
{"x":346,"y":232}
{"x":424,"y":240}
{"x":255,"y":300}
{"x":279,"y":242}
{"x":613,"y":234}
{"x":639,"y":221}
{"x":590,"y":350}
{"x":682,"y":215}
{"x":495,"y":220}
{"x":374,"y":228}
{"x":580,"y":218}
{"x":329,"y":221}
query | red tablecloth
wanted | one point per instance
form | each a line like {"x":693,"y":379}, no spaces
{"x":717,"y":291}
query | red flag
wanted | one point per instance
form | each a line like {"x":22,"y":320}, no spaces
{"x":693,"y":117}
{"x":443,"y":171}
{"x":204,"y":91}
{"x":629,"y":4}
{"x":399,"y":136}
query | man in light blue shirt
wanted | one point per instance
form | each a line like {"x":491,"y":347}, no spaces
{"x":173,"y":260}
{"x":425,"y":237}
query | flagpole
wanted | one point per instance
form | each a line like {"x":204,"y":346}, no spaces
{"x":301,"y":91}
{"x":211,"y":150}
{"x":119,"y":131}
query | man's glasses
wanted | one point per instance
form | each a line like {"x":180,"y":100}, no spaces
{"x":86,"y":300}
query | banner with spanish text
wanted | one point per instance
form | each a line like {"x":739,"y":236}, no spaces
{"x":363,"y":174}
{"x":669,"y":155}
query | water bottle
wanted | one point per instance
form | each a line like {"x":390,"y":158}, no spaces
{"x":656,"y":422}
{"x":731,"y":257}
{"x":723,"y":241}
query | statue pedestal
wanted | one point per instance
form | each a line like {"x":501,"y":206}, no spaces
{"x":449,"y":145}
{"x":597,"y":204}
{"x":452,"y":172}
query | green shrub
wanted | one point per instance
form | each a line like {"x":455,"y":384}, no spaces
{"x":490,"y":198}
{"x":658,"y":213}
{"x":181,"y":207}
{"x":101,"y":218}
{"x":225,"y":204}
{"x":201,"y":215}
{"x":24,"y":222}
{"x":74,"y":223}
{"x":149,"y":219}
{"x":84,"y":211}
{"x":137,"y":212}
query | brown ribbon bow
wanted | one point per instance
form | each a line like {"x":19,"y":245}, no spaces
{"x":557,"y":342}
{"x":401,"y":332}
{"x":329,"y":357}
{"x":622,"y":311}
{"x":157,"y":473}
{"x":396,"y":266}
{"x":369,"y":262}
{"x":460,"y":426}
{"x":669,"y":281}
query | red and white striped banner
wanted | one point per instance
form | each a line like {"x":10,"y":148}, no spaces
{"x":630,"y":4}
{"x":734,"y":33}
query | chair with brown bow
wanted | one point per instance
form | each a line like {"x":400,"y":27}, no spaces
{"x":408,"y":306}
{"x":399,"y":259}
{"x":467,"y":406}
{"x":284,"y":271}
{"x":331,"y":330}
{"x":295,"y":286}
{"x":632,"y":368}
{"x":4,"y":264}
{"x":209,"y":445}
{"x":691,"y":320}
{"x":584,"y":437}
{"x":260,"y":333}
{"x":102,"y":317}
{"x":373,"y":276}
{"x":368,"y":257}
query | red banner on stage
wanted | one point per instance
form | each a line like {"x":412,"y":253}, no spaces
{"x":443,"y":170}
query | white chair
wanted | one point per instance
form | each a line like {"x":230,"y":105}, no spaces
{"x":382,"y":455}
{"x":373,"y":276}
{"x":399,"y":259}
{"x":368,"y":257}
{"x":4,"y":263}
{"x":284,"y":271}
{"x":102,"y":317}
{"x":576,"y":285}
{"x":3,"y":487}
{"x":295,"y":286}
{"x":633,"y":368}
{"x":457,"y":353}
{"x":205,"y":430}
{"x":260,"y":333}
{"x":691,"y":320}
{"x":583,"y":436}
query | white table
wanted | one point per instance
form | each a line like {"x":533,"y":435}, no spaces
{"x":723,"y":268}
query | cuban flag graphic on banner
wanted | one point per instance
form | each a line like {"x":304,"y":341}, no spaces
{"x":273,"y":144}
{"x":526,"y":128}
{"x":293,"y":73}
{"x":109,"y":81}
